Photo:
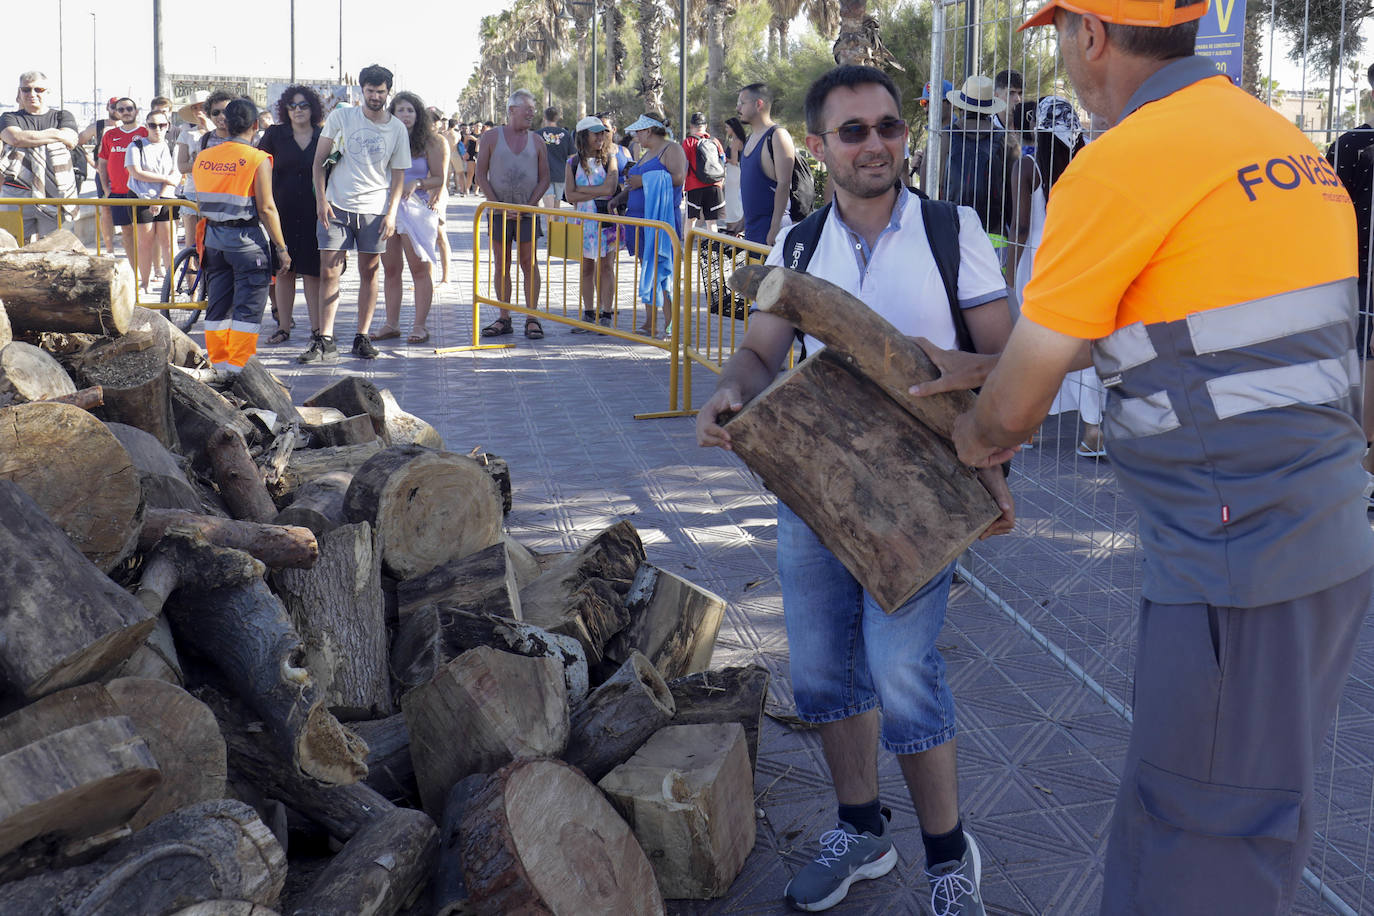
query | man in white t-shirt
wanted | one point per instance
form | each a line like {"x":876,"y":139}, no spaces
{"x":849,"y":659}
{"x":358,"y":208}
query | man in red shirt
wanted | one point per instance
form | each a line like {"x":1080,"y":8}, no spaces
{"x":115,"y":175}
{"x":705,"y":197}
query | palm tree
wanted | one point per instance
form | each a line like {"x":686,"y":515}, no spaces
{"x":652,"y":19}
{"x":859,"y":42}
{"x":614,"y":22}
{"x":784,"y":11}
{"x":717,"y":13}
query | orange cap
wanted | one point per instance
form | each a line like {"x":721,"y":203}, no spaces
{"x":1149,"y":13}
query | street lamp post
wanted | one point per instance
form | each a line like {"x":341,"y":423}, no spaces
{"x":293,"y":42}
{"x":61,"y":62}
{"x":95,"y":92}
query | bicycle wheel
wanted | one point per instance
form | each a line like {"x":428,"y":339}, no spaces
{"x":187,"y":280}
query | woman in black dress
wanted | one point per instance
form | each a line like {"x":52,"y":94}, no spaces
{"x":292,"y":141}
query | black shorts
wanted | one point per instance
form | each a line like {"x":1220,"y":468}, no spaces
{"x":706,"y":203}
{"x":512,"y":227}
{"x":124,"y":216}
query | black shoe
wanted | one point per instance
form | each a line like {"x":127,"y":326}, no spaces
{"x":322,"y":349}
{"x":590,"y":319}
{"x":362,"y":347}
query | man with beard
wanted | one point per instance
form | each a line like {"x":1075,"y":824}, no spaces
{"x":358,"y":207}
{"x":114,"y":142}
{"x":848,"y":658}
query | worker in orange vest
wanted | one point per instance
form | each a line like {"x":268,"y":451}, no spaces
{"x":234,"y":191}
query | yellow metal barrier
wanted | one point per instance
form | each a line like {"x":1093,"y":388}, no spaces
{"x":565,"y":245}
{"x":11,"y":219}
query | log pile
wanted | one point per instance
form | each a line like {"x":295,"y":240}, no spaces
{"x":236,"y":625}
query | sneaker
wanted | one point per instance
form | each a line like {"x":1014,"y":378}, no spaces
{"x":362,"y":347}
{"x":846,"y":856}
{"x":954,"y":886}
{"x":590,"y":319}
{"x":604,"y":321}
{"x":322,"y":349}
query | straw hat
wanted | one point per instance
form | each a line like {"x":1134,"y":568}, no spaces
{"x":187,"y":112}
{"x":976,"y":96}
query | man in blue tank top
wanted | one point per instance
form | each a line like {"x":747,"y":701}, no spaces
{"x":768,"y":154}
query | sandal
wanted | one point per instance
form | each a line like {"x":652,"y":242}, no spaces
{"x":418,"y":337}
{"x":1085,"y":450}
{"x":498,"y":328}
{"x":387,"y":333}
{"x":281,"y":336}
{"x":533,"y":329}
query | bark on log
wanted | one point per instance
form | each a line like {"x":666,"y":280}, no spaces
{"x":337,"y":608}
{"x":353,"y":395}
{"x":886,"y":495}
{"x":57,"y":291}
{"x":161,"y":477}
{"x":309,"y":464}
{"x":482,"y":582}
{"x":389,"y":768}
{"x":405,"y":428}
{"x":239,"y":480}
{"x":499,"y":470}
{"x":277,"y":456}
{"x":57,"y":240}
{"x":868,"y":343}
{"x":29,"y":374}
{"x":226,"y":908}
{"x":503,"y":706}
{"x":277,"y":546}
{"x":185,"y":741}
{"x":200,"y":411}
{"x":6,"y":332}
{"x":85,"y":398}
{"x":523,"y":561}
{"x":449,"y":892}
{"x":540,"y":838}
{"x":723,"y":695}
{"x":688,"y":795}
{"x":261,"y":388}
{"x":64,"y":622}
{"x":318,"y":504}
{"x":54,"y":713}
{"x":79,"y":475}
{"x":617,"y":717}
{"x":202,"y":852}
{"x":672,"y":621}
{"x":137,"y":386}
{"x":156,"y":659}
{"x":428,"y":507}
{"x":383,"y":868}
{"x":348,"y":431}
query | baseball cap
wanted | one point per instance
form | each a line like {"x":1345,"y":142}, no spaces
{"x":1147,"y":13}
{"x":945,"y":88}
{"x":698,"y":118}
{"x":590,"y":122}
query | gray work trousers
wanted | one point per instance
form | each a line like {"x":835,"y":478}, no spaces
{"x":1214,"y":813}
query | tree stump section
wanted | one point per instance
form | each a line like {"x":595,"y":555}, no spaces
{"x":619,"y":716}
{"x":318,"y":504}
{"x":202,"y":852}
{"x":348,"y":431}
{"x":277,"y":546}
{"x":405,"y":428}
{"x":337,"y":608}
{"x":77,"y":473}
{"x":688,"y":795}
{"x":886,"y":495}
{"x":184,"y":738}
{"x":261,"y":388}
{"x":723,"y":695}
{"x":672,"y":621}
{"x":389,"y":768}
{"x":481,"y":582}
{"x":499,"y":470}
{"x":161,"y":477}
{"x":66,"y":291}
{"x":200,"y":411}
{"x":540,"y":838}
{"x":138,"y":391}
{"x":309,"y":464}
{"x":353,"y":395}
{"x":64,"y":622}
{"x":29,"y":374}
{"x":428,"y":507}
{"x":179,"y":348}
{"x":383,"y":868}
{"x":503,"y":706}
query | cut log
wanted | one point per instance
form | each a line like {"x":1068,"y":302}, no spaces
{"x":241,"y":628}
{"x":389,"y":768}
{"x":202,"y":852}
{"x":886,"y":495}
{"x":274,"y":460}
{"x":277,"y":546}
{"x":180,"y":349}
{"x":540,"y":838}
{"x":577,"y":595}
{"x":723,"y":695}
{"x":499,"y":470}
{"x":156,"y":659}
{"x":405,"y":428}
{"x":503,"y":706}
{"x":337,"y":608}
{"x":672,"y":621}
{"x":432,"y":636}
{"x":57,"y":240}
{"x":137,"y":386}
{"x":225,"y":908}
{"x":77,"y":473}
{"x":6,"y":332}
{"x":449,"y":892}
{"x":261,"y":388}
{"x":482,"y":582}
{"x":85,"y":398}
{"x":523,"y":561}
{"x":319,"y":416}
{"x":308,"y":464}
{"x":865,"y":341}
{"x":54,"y":713}
{"x":200,"y":411}
{"x":318,"y":504}
{"x":64,"y":291}
{"x":383,"y":868}
{"x":63,"y":621}
{"x":428,"y":507}
{"x":239,"y":480}
{"x":688,"y":795}
{"x":29,"y":374}
{"x":353,"y":395}
{"x":161,"y":477}
{"x":348,"y":431}
{"x":617,"y":717}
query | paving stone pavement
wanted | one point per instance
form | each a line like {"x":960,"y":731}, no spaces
{"x":1039,"y":753}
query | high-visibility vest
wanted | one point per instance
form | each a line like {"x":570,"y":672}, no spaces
{"x":224,"y":181}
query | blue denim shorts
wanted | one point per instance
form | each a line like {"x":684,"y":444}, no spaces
{"x":848,"y":657}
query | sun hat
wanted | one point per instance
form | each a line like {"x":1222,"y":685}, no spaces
{"x":644,"y":122}
{"x":187,"y":111}
{"x":945,"y":89}
{"x":590,"y":122}
{"x":976,"y":96}
{"x":1148,"y":13}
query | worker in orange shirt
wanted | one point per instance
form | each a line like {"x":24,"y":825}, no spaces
{"x":1215,"y":292}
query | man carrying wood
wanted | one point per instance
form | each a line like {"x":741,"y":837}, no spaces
{"x":1220,"y":307}
{"x":848,"y":658}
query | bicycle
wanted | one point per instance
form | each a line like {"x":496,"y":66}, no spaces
{"x":187,"y":281}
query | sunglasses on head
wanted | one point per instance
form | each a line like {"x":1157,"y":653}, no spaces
{"x":124,"y":109}
{"x":888,"y":129}
{"x":33,"y":90}
{"x":297,"y":106}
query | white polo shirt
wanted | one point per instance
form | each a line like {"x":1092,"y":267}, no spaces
{"x":899,"y":278}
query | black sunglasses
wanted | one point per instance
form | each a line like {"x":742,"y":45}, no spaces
{"x":217,"y":113}
{"x":124,"y":108}
{"x":33,"y":90}
{"x":888,"y":129}
{"x":158,"y":124}
{"x":297,"y":106}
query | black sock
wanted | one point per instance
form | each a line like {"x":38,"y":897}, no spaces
{"x":864,"y":818}
{"x":945,"y":847}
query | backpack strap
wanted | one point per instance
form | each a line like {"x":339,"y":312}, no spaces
{"x":803,"y":238}
{"x":941,"y":219}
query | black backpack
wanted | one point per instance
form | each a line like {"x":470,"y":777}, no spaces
{"x":976,"y":176}
{"x":802,"y":197}
{"x":709,"y":165}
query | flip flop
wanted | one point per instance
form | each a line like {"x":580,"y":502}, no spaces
{"x":418,"y":338}
{"x":386,"y":333}
{"x":1086,"y":451}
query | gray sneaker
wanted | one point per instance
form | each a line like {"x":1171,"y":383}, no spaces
{"x":846,"y":856}
{"x":954,"y":886}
